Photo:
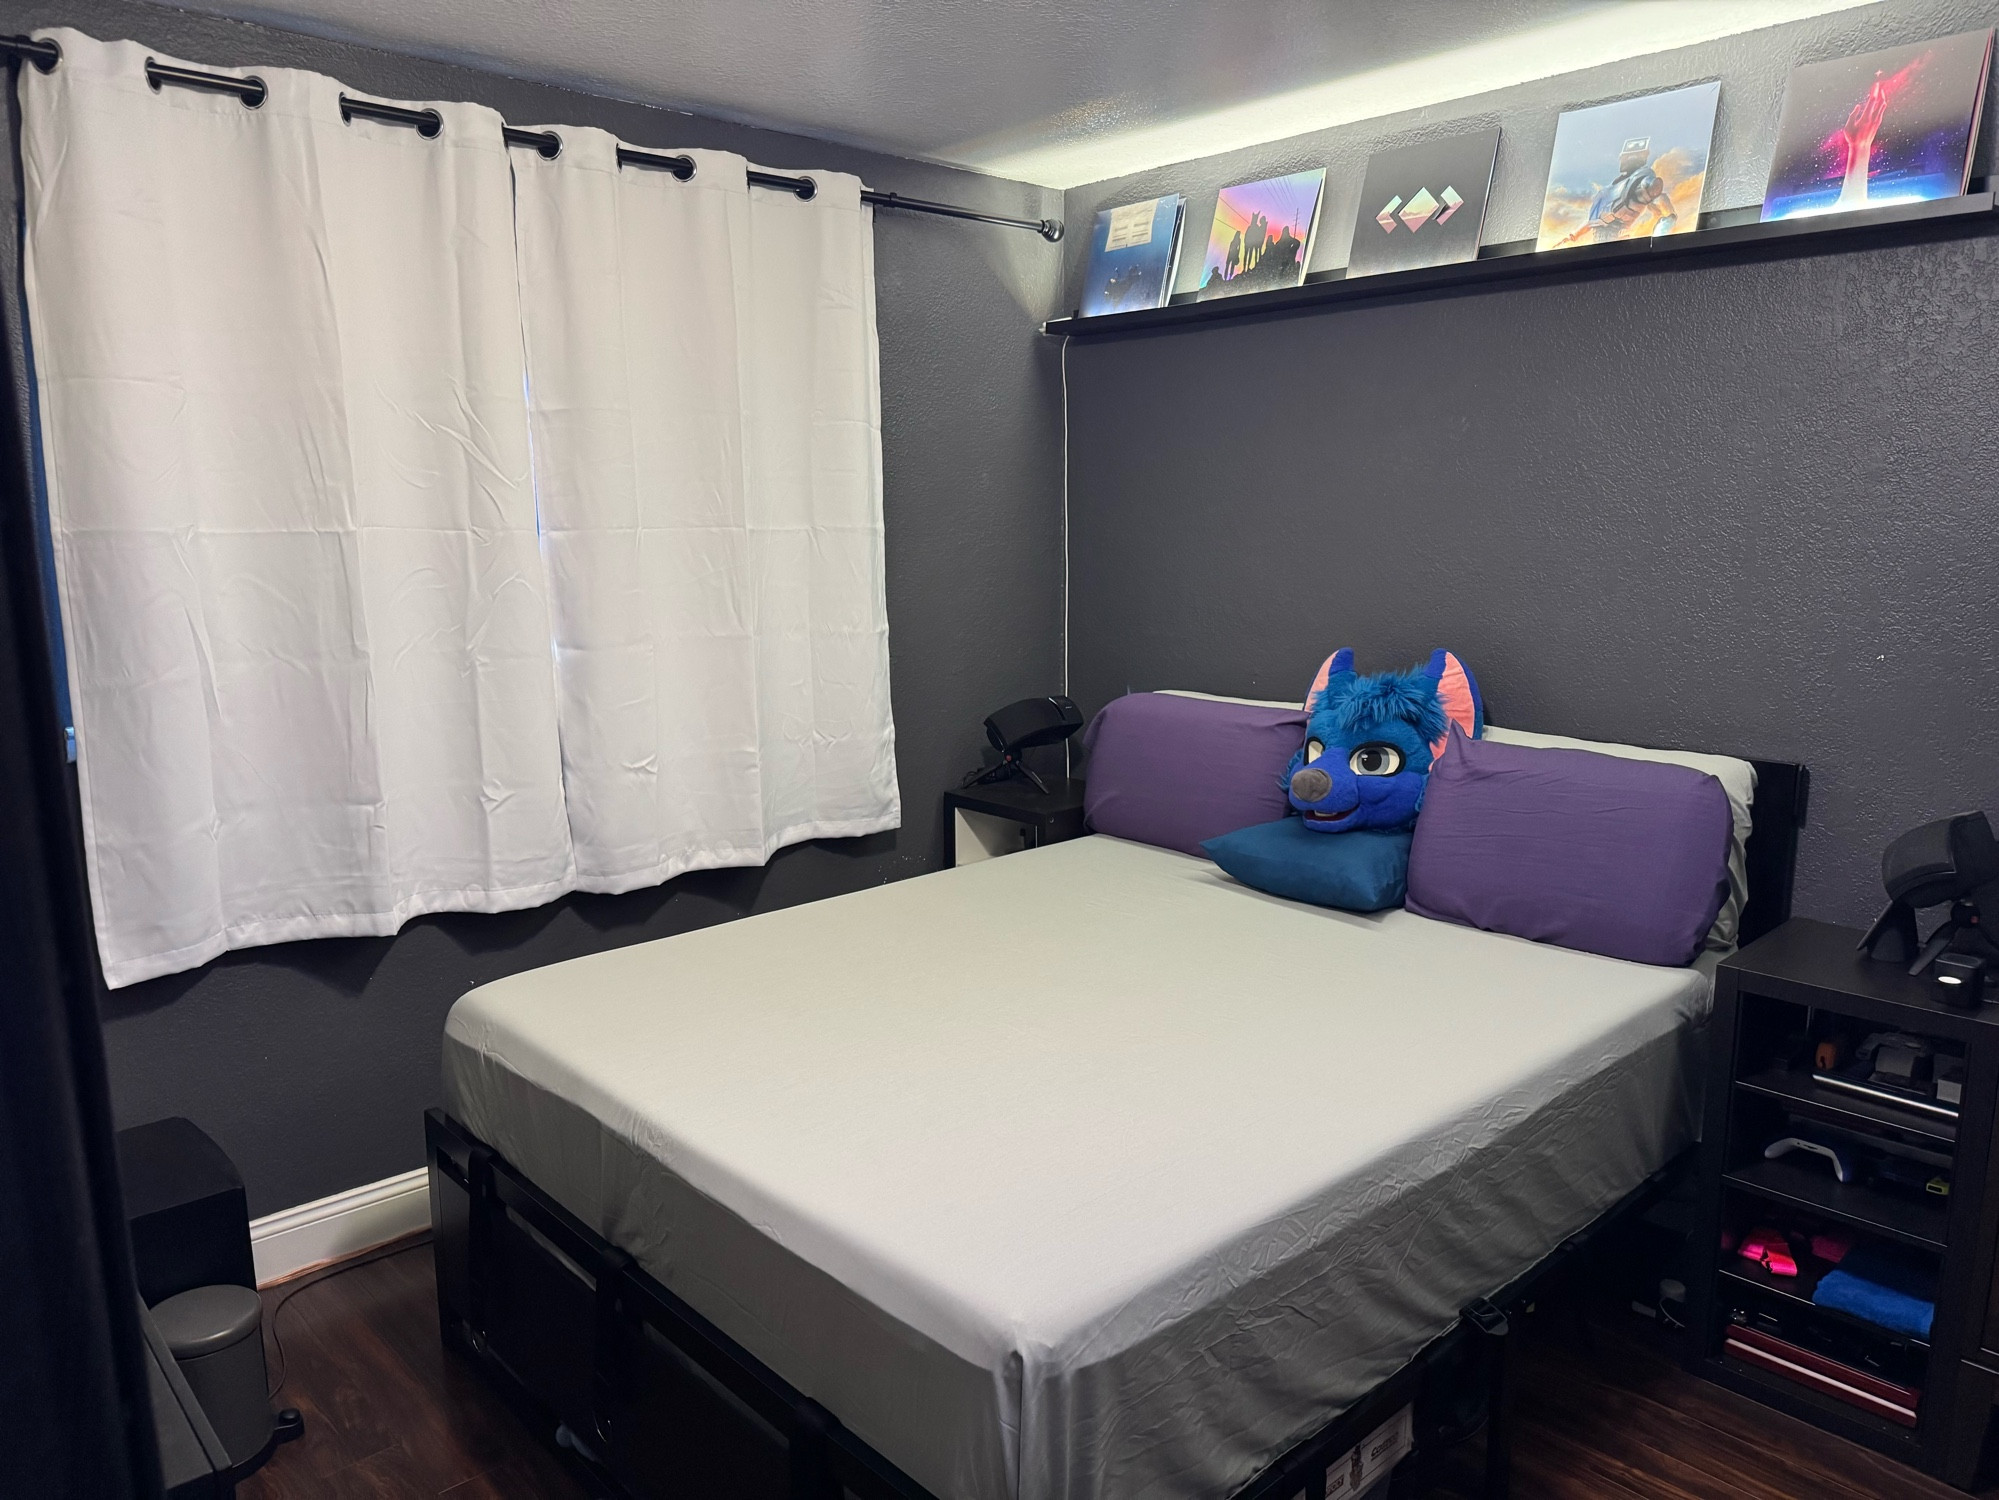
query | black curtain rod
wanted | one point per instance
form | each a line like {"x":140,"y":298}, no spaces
{"x":427,"y":123}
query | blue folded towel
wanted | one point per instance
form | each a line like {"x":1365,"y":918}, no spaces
{"x":1890,"y":1290}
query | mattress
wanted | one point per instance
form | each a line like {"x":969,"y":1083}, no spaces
{"x":1085,"y":1173}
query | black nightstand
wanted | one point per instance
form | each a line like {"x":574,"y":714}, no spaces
{"x":1007,"y":816}
{"x":1775,"y":1002}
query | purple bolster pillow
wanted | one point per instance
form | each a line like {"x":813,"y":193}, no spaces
{"x":1173,"y":771}
{"x":1627,"y":858}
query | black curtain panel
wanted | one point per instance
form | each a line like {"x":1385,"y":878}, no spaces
{"x":72,"y":1384}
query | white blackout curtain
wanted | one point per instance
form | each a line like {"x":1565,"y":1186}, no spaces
{"x":280,"y":379}
{"x":707,"y":444}
{"x":439,"y":527}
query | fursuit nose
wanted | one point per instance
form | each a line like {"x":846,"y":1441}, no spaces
{"x":1311,"y":784}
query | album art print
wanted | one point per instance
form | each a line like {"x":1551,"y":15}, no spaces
{"x":1630,"y":170}
{"x":1134,"y":252}
{"x":1262,"y":236}
{"x":1423,"y":205}
{"x":1896,"y":126}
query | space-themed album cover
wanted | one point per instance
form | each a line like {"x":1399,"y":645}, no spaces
{"x":1895,"y":126}
{"x":1629,"y":170}
{"x":1423,"y":205}
{"x":1134,"y":253}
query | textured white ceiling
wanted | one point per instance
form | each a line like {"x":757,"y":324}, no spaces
{"x":1058,"y":92}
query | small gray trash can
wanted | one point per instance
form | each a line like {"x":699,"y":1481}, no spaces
{"x":216,"y":1334}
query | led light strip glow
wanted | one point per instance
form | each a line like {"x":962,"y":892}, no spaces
{"x":1636,"y":29}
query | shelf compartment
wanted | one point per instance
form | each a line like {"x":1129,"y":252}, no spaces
{"x":1798,"y":1091}
{"x":1879,"y":1431}
{"x":1797,"y":1291}
{"x":1822,"y":1411}
{"x":1909,"y":1222}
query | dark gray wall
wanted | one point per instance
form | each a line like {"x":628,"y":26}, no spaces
{"x":311,"y":1063}
{"x":1741,"y":507}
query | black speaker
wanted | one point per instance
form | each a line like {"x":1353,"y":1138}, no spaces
{"x":1022,"y":726}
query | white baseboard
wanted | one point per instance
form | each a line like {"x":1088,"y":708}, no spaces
{"x":296,"y":1239}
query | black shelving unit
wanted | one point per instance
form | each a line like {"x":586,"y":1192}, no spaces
{"x":1773,"y":1001}
{"x":1728,"y":232}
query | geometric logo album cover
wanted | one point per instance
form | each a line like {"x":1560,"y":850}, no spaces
{"x":1262,"y":236}
{"x":1423,"y":205}
{"x":1629,"y":170}
{"x":1896,"y":126}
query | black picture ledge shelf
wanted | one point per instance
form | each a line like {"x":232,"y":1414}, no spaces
{"x":1736,"y":230}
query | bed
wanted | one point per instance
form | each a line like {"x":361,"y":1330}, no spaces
{"x":1083,"y":1174}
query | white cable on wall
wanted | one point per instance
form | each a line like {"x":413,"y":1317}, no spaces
{"x":1065,"y":515}
{"x":1068,"y":757}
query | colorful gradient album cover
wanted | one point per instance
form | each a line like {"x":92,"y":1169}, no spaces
{"x":1887,"y":127}
{"x":1262,"y":237}
{"x":1629,"y":170}
{"x":1133,"y":254}
{"x":1423,"y":205}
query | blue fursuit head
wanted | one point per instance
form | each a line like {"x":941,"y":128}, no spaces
{"x":1370,"y":741}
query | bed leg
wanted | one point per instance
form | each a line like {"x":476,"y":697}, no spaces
{"x":611,"y":1377}
{"x":1489,"y":1324}
{"x":479,"y":1238}
{"x":460,"y":1178}
{"x":812,"y":1453}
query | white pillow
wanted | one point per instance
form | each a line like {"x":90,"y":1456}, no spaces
{"x":1224,"y":698}
{"x":1737,"y":778}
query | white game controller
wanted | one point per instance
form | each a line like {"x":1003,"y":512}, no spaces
{"x":1841,"y":1167}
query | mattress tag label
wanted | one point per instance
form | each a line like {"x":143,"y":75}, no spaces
{"x":1355,"y":1471}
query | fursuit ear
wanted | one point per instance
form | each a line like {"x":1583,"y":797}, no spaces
{"x":1457,"y":692}
{"x":1341,"y":661}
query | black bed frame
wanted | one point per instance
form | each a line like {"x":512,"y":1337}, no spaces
{"x":657,"y":1403}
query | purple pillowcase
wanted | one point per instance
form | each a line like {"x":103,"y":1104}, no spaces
{"x":1627,"y":858}
{"x":1173,"y":771}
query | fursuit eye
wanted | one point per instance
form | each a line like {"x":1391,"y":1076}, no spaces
{"x":1375,"y":760}
{"x":1313,"y":750}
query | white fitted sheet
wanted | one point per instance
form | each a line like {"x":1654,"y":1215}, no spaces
{"x":1086,"y":1173}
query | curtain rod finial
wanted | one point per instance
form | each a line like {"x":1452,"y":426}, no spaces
{"x":1051,"y":231}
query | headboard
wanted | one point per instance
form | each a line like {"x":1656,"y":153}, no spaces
{"x":1782,"y":790}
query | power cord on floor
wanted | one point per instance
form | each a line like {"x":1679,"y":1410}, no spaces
{"x":368,"y":1258}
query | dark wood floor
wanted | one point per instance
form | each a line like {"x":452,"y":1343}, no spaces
{"x":1604,"y":1412}
{"x":387,"y":1412}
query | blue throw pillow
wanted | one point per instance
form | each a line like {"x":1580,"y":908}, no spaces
{"x":1365,"y":870}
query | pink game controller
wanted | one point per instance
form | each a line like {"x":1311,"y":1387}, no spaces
{"x":1770,"y":1250}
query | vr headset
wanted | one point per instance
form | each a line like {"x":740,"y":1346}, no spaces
{"x":1955,"y":860}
